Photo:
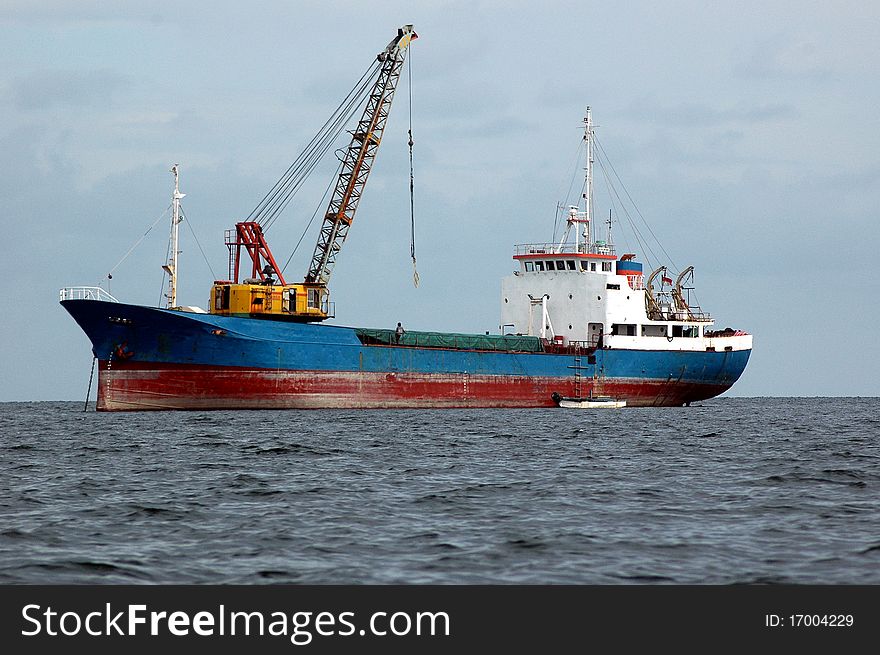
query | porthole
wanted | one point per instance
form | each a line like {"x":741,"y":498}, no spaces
{"x":569,"y":296}
{"x":598,"y":297}
{"x":505,"y":300}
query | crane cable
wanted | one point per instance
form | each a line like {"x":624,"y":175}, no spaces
{"x":412,"y":210}
{"x":282,"y":192}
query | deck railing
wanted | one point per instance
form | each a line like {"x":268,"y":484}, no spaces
{"x":85,"y":293}
{"x":597,"y":248}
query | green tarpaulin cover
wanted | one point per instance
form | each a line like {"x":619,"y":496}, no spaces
{"x":507,"y":342}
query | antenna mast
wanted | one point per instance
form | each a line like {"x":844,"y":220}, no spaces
{"x":609,"y":222}
{"x":584,"y":217}
{"x":171,"y":266}
{"x":588,"y":194}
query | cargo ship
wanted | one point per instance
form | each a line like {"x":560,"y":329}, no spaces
{"x":577,"y":320}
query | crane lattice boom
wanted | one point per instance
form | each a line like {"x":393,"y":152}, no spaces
{"x":358,"y":160}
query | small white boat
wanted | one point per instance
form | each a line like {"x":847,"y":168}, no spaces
{"x":590,"y":402}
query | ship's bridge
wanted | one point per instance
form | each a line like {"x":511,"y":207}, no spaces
{"x":569,"y":257}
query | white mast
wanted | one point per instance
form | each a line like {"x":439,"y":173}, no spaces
{"x":176,"y":218}
{"x":610,"y":242}
{"x":585,"y":217}
{"x":588,"y":195}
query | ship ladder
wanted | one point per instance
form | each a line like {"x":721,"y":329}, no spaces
{"x":577,"y":372}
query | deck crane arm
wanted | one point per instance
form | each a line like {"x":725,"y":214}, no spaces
{"x":681,"y":305}
{"x":358,"y":159}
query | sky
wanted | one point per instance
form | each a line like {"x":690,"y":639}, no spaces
{"x":747,"y":134}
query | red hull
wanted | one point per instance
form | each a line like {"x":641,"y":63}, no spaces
{"x":130,"y":386}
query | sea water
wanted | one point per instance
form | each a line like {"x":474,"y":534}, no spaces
{"x":732,"y":490}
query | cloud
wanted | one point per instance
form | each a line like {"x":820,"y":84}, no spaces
{"x":78,"y":12}
{"x":790,"y":58}
{"x":49,"y":88}
{"x":695,"y":114}
{"x":146,"y":118}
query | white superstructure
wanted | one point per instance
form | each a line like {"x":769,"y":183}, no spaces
{"x":578,"y":292}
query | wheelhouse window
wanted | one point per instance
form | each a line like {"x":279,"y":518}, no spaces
{"x":585,"y":265}
{"x":550,"y":266}
{"x":606,"y":267}
{"x":560,"y":265}
{"x":530,"y":266}
{"x":539,"y":266}
{"x":653,"y":330}
{"x":688,"y":331}
{"x":570,"y":264}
